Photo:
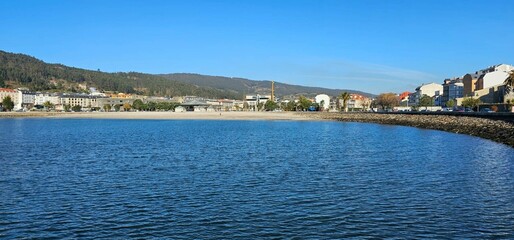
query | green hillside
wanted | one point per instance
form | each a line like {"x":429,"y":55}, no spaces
{"x":19,"y":70}
{"x":246,"y":86}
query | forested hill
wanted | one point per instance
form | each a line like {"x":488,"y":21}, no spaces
{"x":19,"y":70}
{"x":245,"y":86}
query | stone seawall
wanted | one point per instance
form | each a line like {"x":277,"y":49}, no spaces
{"x":499,"y":131}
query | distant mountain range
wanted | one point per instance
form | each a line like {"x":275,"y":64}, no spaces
{"x":20,"y":70}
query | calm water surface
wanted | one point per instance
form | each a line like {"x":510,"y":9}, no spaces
{"x":249,"y":180}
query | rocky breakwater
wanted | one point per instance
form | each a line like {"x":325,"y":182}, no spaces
{"x":499,"y":131}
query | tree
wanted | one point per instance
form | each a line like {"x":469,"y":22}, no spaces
{"x":138,"y":104}
{"x":426,"y":101}
{"x":509,"y":82}
{"x":260,"y":106}
{"x":270,"y":105}
{"x":471,"y":102}
{"x":67,"y":107}
{"x":304,"y":103}
{"x":76,"y":108}
{"x":387,"y":100}
{"x":107,"y":107}
{"x":345,"y":97}
{"x":321,"y":105}
{"x":7,"y":103}
{"x":126,"y":107}
{"x":117,"y":107}
{"x":289,"y":106}
{"x":48,"y":105}
{"x":450,"y":103}
{"x":151,"y":106}
{"x":166,"y":106}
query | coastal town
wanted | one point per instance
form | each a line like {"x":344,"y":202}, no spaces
{"x":255,"y":119}
{"x":485,"y":90}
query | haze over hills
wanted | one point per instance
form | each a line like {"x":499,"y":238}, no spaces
{"x":20,"y":70}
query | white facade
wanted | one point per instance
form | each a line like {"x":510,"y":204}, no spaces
{"x":254,"y":100}
{"x":496,"y":68}
{"x":431,"y":89}
{"x":41,"y":98}
{"x":493,"y":78}
{"x":323,"y":97}
{"x":27,"y":98}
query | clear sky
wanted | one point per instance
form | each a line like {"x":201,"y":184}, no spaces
{"x":368,"y":45}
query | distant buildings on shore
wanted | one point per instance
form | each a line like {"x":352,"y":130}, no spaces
{"x":487,"y":85}
{"x":25,"y":100}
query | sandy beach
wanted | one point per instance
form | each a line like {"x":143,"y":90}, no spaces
{"x":163,"y":115}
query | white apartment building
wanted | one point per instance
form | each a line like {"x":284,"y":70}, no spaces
{"x":25,"y":98}
{"x":254,"y":100}
{"x":41,"y":98}
{"x":433,"y":90}
{"x":323,"y":98}
{"x":493,"y":76}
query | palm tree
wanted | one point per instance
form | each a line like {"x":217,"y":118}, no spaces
{"x":345,"y":97}
{"x":509,"y":82}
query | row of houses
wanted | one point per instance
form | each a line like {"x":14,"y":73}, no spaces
{"x":24,"y":100}
{"x":486,"y":85}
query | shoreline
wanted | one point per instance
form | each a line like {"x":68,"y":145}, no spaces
{"x":495,"y":130}
{"x":163,"y":115}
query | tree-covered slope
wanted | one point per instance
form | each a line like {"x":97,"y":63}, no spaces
{"x":246,"y":86}
{"x":19,"y":70}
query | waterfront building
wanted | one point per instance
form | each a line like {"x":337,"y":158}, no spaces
{"x":433,"y":90}
{"x":222,"y":104}
{"x":493,"y":76}
{"x":83,"y":100}
{"x":469,"y":82}
{"x":41,"y":98}
{"x":358,"y":102}
{"x":195,"y":106}
{"x":452,"y":89}
{"x":254,"y":100}
{"x":323,"y":98}
{"x":404,"y":98}
{"x":101,"y":102}
{"x":26,"y":99}
{"x":487,"y":84}
{"x":4,"y":92}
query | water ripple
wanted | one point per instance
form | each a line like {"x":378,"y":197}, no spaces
{"x":249,"y":180}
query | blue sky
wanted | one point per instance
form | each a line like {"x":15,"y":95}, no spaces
{"x":368,"y":45}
